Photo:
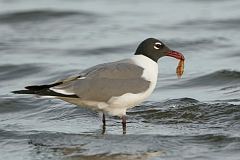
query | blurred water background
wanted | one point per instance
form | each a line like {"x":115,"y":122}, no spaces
{"x":196,"y":117}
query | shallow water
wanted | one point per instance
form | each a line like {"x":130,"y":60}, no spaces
{"x":196,"y":117}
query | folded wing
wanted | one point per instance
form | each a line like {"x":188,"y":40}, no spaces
{"x":102,"y":82}
{"x":98,"y":83}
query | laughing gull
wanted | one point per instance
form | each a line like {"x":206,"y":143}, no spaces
{"x":113,"y":87}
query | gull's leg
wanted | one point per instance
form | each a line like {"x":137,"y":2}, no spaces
{"x":124,"y":121}
{"x":103,"y":120}
{"x":104,"y":123}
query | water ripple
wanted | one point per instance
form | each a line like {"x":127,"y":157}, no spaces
{"x":39,"y":15}
{"x":187,"y":110}
{"x":13,"y":72}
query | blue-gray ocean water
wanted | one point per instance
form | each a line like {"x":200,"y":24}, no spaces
{"x":196,"y":117}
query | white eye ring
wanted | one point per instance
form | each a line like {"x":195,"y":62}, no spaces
{"x":157,"y":45}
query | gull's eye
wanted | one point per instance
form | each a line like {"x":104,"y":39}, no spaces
{"x":158,"y":45}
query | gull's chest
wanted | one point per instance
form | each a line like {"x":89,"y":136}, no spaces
{"x":150,"y":73}
{"x":150,"y":68}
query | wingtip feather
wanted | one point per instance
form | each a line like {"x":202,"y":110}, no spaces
{"x":23,"y":92}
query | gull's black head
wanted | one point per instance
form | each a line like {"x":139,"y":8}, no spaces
{"x":155,"y":49}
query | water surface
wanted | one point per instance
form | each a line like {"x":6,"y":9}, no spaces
{"x":196,"y":117}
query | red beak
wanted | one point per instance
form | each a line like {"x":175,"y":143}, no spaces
{"x":176,"y":55}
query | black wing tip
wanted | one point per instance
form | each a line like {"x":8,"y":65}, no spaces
{"x":30,"y":89}
{"x":42,"y":87}
{"x":35,"y":88}
{"x":44,"y":93}
{"x":23,"y":92}
{"x":43,"y":90}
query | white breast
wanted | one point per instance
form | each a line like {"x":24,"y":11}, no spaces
{"x":119,"y":105}
{"x":150,"y":67}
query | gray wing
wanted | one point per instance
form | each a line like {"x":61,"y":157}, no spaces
{"x":104,"y":81}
